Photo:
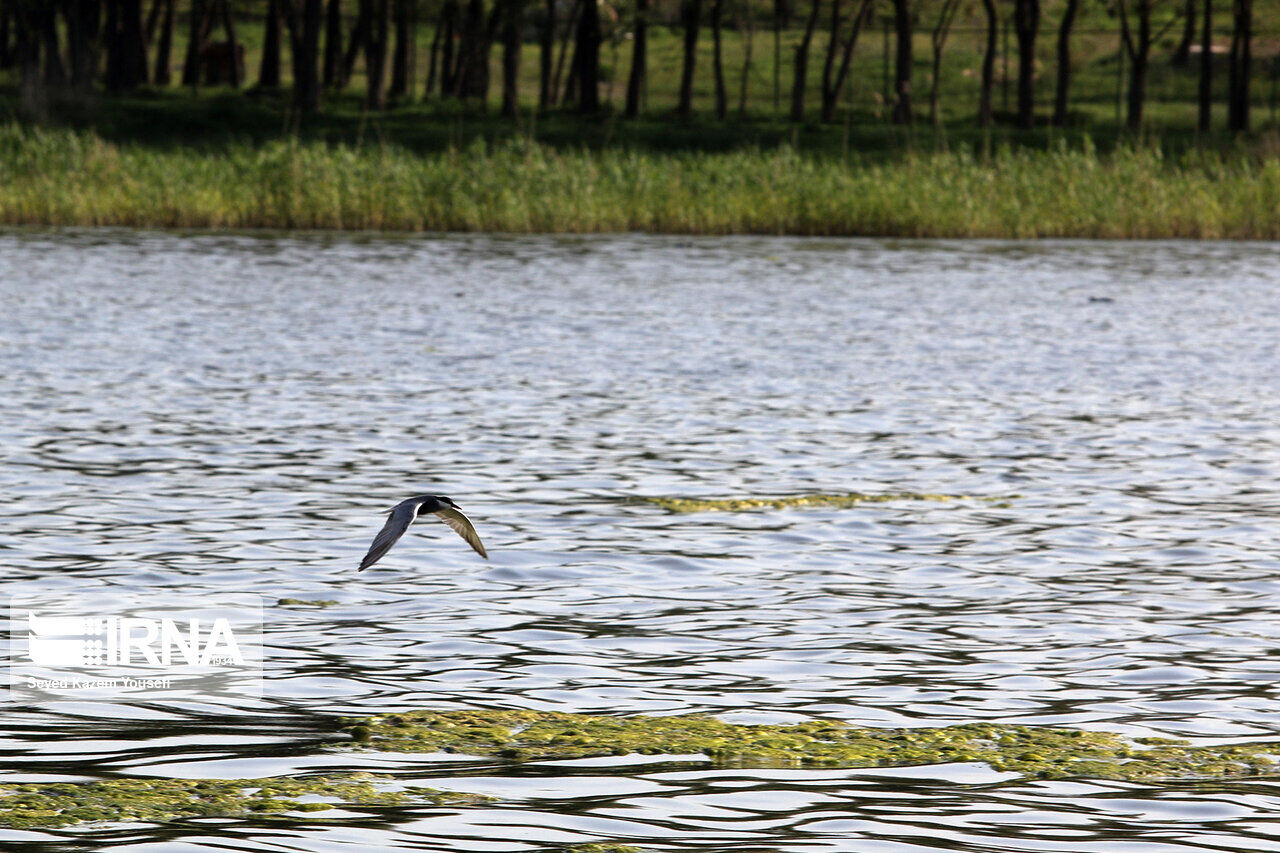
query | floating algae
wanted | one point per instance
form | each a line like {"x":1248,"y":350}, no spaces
{"x":841,"y":501}
{"x":306,"y":602}
{"x":1032,"y":751}
{"x":40,"y":804}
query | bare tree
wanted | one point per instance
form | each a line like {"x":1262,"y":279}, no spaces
{"x":1060,"y":96}
{"x":746,"y":29}
{"x":1026,"y":24}
{"x":902,"y":66}
{"x":717,"y":59}
{"x":163,"y":75}
{"x":639,"y":60}
{"x":1139,"y":52}
{"x":1205,"y":112}
{"x":800,"y":79}
{"x":691,"y":12}
{"x":586,"y":57}
{"x":937,"y":41}
{"x":403,"y":54}
{"x":1182,"y":53}
{"x":988,"y":63}
{"x":1239,"y":66}
{"x":331,"y":75}
{"x":375,"y":52}
{"x":833,"y":77}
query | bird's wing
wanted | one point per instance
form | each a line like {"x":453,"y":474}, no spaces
{"x":398,"y":521}
{"x":462,"y":526}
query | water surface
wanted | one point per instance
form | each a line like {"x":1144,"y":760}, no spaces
{"x":232,"y":414}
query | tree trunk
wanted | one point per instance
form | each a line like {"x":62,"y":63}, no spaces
{"x":802,"y":63}
{"x":1064,"y":62}
{"x":1205,"y":116}
{"x":938,"y":42}
{"x":55,"y":74}
{"x":639,"y":51}
{"x":988,"y":63}
{"x":829,"y":64}
{"x":587,"y":56}
{"x":546,"y":58}
{"x":717,"y":59}
{"x":164,"y":50}
{"x":747,"y":29}
{"x":402,"y":55}
{"x":306,"y":61}
{"x":692,"y":14}
{"x":1139,"y":52}
{"x":474,"y":74}
{"x":433,"y":62}
{"x":1026,"y":23}
{"x":378,"y":13}
{"x":831,"y":92}
{"x":564,"y":49}
{"x":512,"y":16}
{"x":1182,"y":53}
{"x":1240,"y":66}
{"x":126,"y":49}
{"x":83,"y":19}
{"x":331,"y":76}
{"x":902,"y":67}
{"x":229,"y":27}
{"x":195,"y":41}
{"x":6,"y":31}
{"x":269,"y":70}
{"x":359,"y":35}
{"x":153,"y":20}
{"x":31,"y":91}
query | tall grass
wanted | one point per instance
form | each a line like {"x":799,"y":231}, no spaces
{"x":60,"y":177}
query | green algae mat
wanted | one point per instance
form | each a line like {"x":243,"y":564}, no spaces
{"x":38,"y":804}
{"x":1044,"y":753}
{"x":836,"y":501}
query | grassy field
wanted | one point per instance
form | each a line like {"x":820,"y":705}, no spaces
{"x":60,"y":177}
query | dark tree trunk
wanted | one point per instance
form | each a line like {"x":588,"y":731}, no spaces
{"x":304,"y":40}
{"x":195,"y":41}
{"x":587,"y":58}
{"x":164,"y":50}
{"x":331,"y":76}
{"x":31,"y":91}
{"x":1139,"y":52}
{"x":126,"y":49}
{"x":512,"y":16}
{"x":153,"y":20}
{"x":1205,"y":117}
{"x":988,"y":63}
{"x":83,"y":30}
{"x":6,"y":34}
{"x":55,"y":74}
{"x":717,"y":59}
{"x":433,"y":62}
{"x":546,"y":59}
{"x":450,"y":14}
{"x":1026,"y":23}
{"x":233,"y":44}
{"x":1060,"y":99}
{"x":269,"y":70}
{"x":378,"y":12}
{"x":829,"y":64}
{"x":1182,"y":53}
{"x":402,"y":55}
{"x":831,"y":88}
{"x":639,"y":60}
{"x":746,"y":26}
{"x":474,"y":62}
{"x":692,"y":13}
{"x":359,"y":35}
{"x":574,"y":13}
{"x":938,"y":41}
{"x":1239,"y":66}
{"x":902,"y":66}
{"x":802,"y":63}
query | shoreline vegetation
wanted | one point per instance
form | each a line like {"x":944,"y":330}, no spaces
{"x":65,"y":177}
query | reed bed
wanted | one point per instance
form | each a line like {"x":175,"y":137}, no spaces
{"x":68,"y":178}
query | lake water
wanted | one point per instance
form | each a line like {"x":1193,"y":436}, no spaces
{"x":219,"y":414}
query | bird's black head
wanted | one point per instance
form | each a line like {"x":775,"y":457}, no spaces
{"x":449,"y":501}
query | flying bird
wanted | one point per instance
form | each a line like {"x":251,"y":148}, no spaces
{"x":404,"y":513}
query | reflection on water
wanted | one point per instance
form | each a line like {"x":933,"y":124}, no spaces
{"x":233,"y":414}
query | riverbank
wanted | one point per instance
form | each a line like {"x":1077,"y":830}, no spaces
{"x":70,"y":178}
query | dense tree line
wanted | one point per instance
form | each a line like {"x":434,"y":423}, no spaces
{"x":74,"y":46}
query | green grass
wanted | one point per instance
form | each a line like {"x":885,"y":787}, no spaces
{"x":63,"y":177}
